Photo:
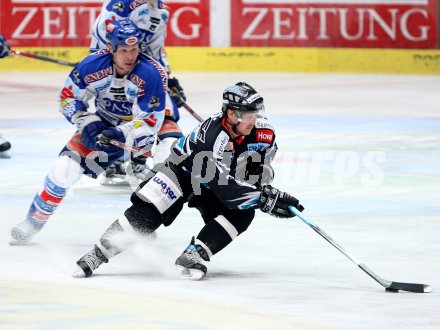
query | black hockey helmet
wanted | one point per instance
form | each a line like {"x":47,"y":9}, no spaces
{"x":242,"y":97}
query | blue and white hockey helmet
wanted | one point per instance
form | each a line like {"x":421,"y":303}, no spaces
{"x":242,"y":98}
{"x":123,"y":32}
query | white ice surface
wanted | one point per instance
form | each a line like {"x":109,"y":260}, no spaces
{"x":361,"y":152}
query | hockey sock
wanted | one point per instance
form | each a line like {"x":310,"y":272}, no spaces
{"x":216,"y":235}
{"x":45,"y":203}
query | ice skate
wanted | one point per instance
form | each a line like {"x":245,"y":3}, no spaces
{"x":114,"y":175}
{"x":121,"y":173}
{"x":89,"y":262}
{"x":190,"y":263}
{"x":5,"y":146}
{"x":23,"y":232}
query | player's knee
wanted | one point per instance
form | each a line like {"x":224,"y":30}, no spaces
{"x":241,"y":221}
{"x":143,"y":216}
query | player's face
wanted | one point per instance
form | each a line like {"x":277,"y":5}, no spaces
{"x":125,"y":58}
{"x":246,"y":122}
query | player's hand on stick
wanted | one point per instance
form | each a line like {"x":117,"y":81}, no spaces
{"x":276,"y":202}
{"x":5,"y":49}
{"x":104,"y":141}
{"x":177,"y":93}
{"x":90,"y":126}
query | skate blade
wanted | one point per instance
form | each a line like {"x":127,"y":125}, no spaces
{"x":113,"y":182}
{"x":5,"y":155}
{"x":15,"y":242}
{"x":190,"y":274}
{"x":78,"y":272}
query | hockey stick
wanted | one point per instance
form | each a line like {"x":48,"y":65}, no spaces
{"x":388,"y":285}
{"x":173,"y":91}
{"x":41,"y":58}
{"x":4,"y":43}
{"x":136,"y":151}
{"x":65,"y":63}
{"x":192,"y":112}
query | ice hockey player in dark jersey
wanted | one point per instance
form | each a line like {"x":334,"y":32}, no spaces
{"x":223,"y":163}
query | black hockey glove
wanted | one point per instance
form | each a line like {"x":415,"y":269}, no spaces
{"x":265,"y":175}
{"x":103,"y":143}
{"x":276,"y":203}
{"x":89,"y":126}
{"x":4,"y":47}
{"x":177,"y":93}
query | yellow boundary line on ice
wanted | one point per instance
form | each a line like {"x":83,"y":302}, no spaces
{"x":252,"y":59}
{"x":88,"y":305}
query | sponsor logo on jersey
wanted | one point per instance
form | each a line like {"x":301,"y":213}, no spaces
{"x":162,"y":73}
{"x":98,"y":75}
{"x":154,"y":103}
{"x":66,"y":93}
{"x":132,"y":92}
{"x":252,"y":147}
{"x":166,"y":190}
{"x":76,"y":76}
{"x":264,"y":135}
{"x":135,"y":79}
{"x":69,"y":109}
{"x":220,"y":144}
{"x":117,"y":90}
{"x":101,"y":51}
{"x":121,"y":98}
{"x":263,"y":123}
{"x":118,"y":7}
{"x":137,"y":3}
{"x":102,"y":87}
{"x":150,"y":120}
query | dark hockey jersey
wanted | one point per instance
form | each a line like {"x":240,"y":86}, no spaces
{"x":221,"y":163}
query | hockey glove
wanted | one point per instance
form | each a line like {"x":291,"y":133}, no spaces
{"x":276,"y":203}
{"x":265,"y":175}
{"x":103,"y":144}
{"x":177,"y":93}
{"x":90,"y":126}
{"x":5,"y":49}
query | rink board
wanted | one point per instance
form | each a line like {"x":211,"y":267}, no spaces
{"x":258,"y":59}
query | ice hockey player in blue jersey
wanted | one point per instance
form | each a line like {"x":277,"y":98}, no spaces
{"x":222,"y":163}
{"x":128,"y":89}
{"x":151,"y":16}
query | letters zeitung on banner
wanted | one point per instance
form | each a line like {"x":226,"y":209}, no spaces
{"x":282,"y":23}
{"x":53,"y":23}
{"x":335,"y":23}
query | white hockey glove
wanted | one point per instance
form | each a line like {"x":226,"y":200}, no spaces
{"x":276,"y":203}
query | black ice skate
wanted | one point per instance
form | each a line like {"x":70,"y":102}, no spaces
{"x":5,"y":146}
{"x":132,"y":171}
{"x":190,"y":263}
{"x":89,"y":262}
{"x":114,"y":175}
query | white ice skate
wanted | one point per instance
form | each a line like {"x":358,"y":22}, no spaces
{"x":22,"y":233}
{"x":190,"y":263}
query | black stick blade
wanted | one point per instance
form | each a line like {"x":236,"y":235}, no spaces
{"x":410,"y":287}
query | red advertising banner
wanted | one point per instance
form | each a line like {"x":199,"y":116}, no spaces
{"x":335,"y":23}
{"x":48,"y":23}
{"x":53,"y":23}
{"x":189,"y":23}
